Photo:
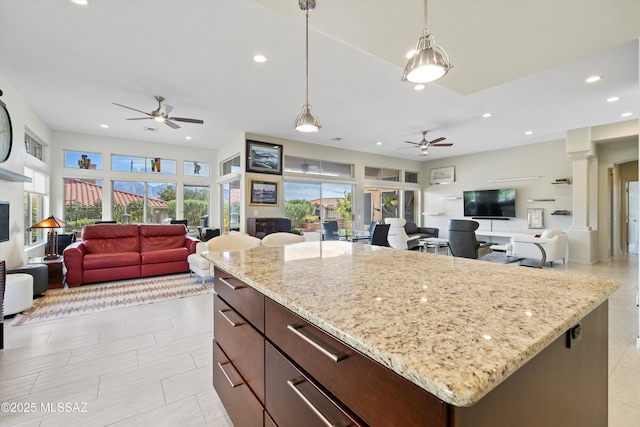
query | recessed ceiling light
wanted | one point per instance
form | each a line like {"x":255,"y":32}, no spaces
{"x":486,"y":115}
{"x":187,"y":137}
{"x":260,"y":58}
{"x":593,"y":79}
{"x":104,"y":126}
{"x":411,"y":53}
{"x":378,"y":143}
{"x":529,"y":132}
{"x":613,"y":99}
{"x":81,"y":2}
{"x":419,"y":87}
{"x":627,"y":114}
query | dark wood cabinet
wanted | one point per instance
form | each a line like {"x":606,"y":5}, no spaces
{"x":260,"y":227}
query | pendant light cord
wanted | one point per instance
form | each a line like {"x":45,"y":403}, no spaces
{"x":426,"y":31}
{"x":306,"y":13}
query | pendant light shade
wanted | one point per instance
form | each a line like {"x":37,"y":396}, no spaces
{"x":429,"y":62}
{"x":306,"y":120}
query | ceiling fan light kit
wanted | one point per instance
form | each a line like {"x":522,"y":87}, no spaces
{"x":306,"y":120}
{"x":429,"y":62}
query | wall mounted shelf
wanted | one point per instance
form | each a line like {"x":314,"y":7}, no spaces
{"x":450,"y":198}
{"x":8,"y":175}
{"x":540,"y":200}
{"x":433,"y":213}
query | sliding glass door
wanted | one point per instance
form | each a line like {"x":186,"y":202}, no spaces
{"x":310,"y":204}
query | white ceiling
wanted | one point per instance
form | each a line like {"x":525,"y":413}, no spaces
{"x":525,"y":61}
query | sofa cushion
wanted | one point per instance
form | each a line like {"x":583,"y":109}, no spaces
{"x":111,"y":238}
{"x":411,"y":228}
{"x":164,"y":255}
{"x":110,"y":260}
{"x":155,"y":237}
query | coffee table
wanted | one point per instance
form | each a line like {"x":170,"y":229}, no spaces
{"x":435,"y":243}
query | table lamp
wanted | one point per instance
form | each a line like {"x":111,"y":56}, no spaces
{"x":52,"y":236}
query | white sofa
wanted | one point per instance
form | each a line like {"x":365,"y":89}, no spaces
{"x":554,"y":242}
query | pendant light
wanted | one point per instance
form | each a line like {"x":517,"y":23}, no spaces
{"x":307,"y":121}
{"x":429,"y":62}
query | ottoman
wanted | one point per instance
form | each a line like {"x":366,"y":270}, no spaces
{"x":18,"y":293}
{"x":40,"y":274}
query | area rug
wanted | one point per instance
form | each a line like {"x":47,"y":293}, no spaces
{"x":87,"y":299}
{"x":500,"y":258}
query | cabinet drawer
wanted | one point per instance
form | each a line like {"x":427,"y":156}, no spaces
{"x":242,"y":297}
{"x":294,"y":401}
{"x":242,"y":344}
{"x":375,"y":394}
{"x":238,"y":400}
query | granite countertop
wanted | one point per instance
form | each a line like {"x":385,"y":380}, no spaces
{"x":455,"y":327}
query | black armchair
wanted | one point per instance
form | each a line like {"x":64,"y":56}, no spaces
{"x":379,"y":235}
{"x":463,"y":242}
{"x":331,"y":230}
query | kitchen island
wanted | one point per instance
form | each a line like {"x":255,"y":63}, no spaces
{"x":390,"y":337}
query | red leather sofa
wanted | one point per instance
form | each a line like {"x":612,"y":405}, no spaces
{"x":123,"y":251}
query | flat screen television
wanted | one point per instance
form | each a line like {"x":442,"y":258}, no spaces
{"x":4,"y":221}
{"x":500,"y":203}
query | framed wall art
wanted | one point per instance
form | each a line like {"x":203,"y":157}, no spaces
{"x":535,"y":218}
{"x":263,"y":192}
{"x":442,"y":175}
{"x":264,"y":158}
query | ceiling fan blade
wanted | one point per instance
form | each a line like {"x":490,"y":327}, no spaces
{"x":165,"y":109}
{"x":448,"y":144}
{"x":411,"y":142}
{"x":139,"y":111}
{"x":182,"y":119}
{"x":171,"y":124}
{"x":435,"y":141}
{"x":141,"y":118}
{"x":404,"y":148}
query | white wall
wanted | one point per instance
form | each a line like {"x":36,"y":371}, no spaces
{"x":547,"y":160}
{"x":22,"y":116}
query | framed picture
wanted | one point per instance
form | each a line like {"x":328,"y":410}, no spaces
{"x":263,"y":192}
{"x":535,"y":218}
{"x":442,"y":175}
{"x":264,"y":158}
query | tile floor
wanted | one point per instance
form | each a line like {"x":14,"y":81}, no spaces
{"x":151,"y":364}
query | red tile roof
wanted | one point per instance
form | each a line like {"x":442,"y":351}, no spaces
{"x":88,"y":193}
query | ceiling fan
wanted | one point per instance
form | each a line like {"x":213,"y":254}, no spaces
{"x":424,"y":144}
{"x":161,"y":114}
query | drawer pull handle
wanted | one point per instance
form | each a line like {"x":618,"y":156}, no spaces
{"x":231,"y":382}
{"x":299,"y":380}
{"x":234,"y":324}
{"x":336,"y":357}
{"x":231,"y":285}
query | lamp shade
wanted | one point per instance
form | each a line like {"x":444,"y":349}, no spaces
{"x":428,"y":63}
{"x":51,"y":222}
{"x":307,"y":121}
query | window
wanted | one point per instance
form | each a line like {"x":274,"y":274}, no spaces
{"x":82,"y":160}
{"x":152,"y":202}
{"x":34,"y":201}
{"x":380,"y":203}
{"x":231,"y":165}
{"x":196,"y":168}
{"x":411,"y":204}
{"x":317,"y":167}
{"x":82,"y":202}
{"x":231,"y":201}
{"x":411,"y":177}
{"x":154,"y":165}
{"x":196,"y":204}
{"x":32,"y":146}
{"x":381,"y":174}
{"x":309,"y":204}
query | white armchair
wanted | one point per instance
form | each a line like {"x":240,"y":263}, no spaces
{"x":199,"y":264}
{"x":398,"y":237}
{"x":554,"y":242}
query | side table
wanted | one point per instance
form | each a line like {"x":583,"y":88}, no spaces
{"x":56,"y":270}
